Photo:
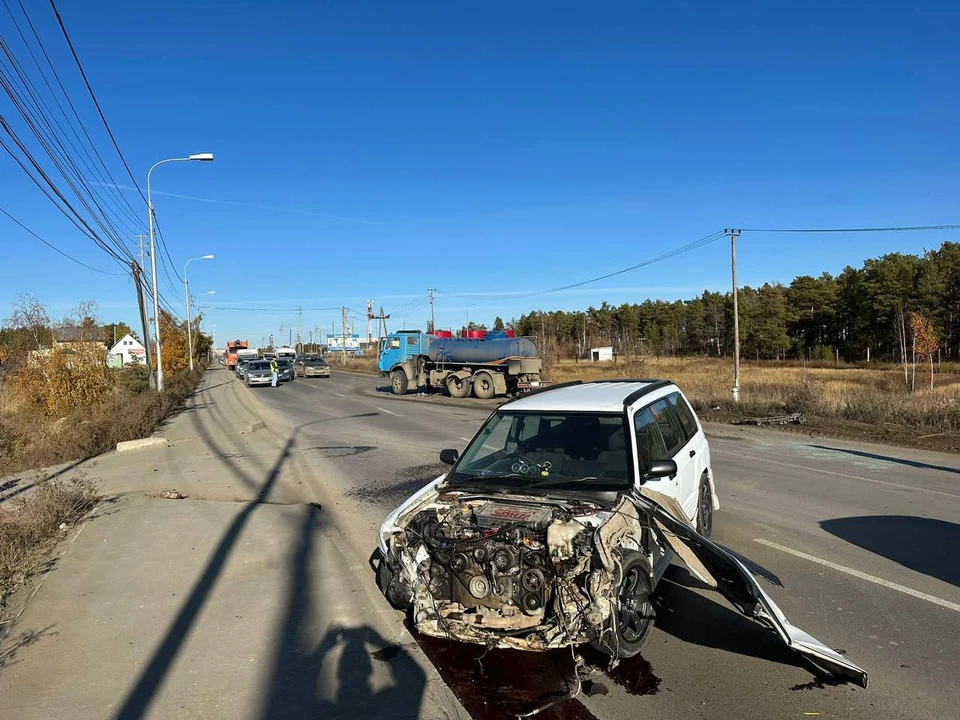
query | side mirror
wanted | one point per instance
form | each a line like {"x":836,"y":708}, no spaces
{"x":660,"y":468}
{"x":450,"y":455}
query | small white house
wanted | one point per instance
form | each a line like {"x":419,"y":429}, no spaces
{"x":130,"y":350}
{"x":601,"y":354}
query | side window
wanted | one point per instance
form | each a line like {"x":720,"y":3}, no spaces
{"x":394,"y":343}
{"x":687,"y":419}
{"x":669,"y":424}
{"x":650,"y":445}
{"x":412,"y":339}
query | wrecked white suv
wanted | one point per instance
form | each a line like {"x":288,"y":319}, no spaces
{"x":555,"y":525}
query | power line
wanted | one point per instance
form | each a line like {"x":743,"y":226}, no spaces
{"x":73,"y":108}
{"x":696,"y":244}
{"x":93,"y":96}
{"x":906,"y":228}
{"x":54,"y":247}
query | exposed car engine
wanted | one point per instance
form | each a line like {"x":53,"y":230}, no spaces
{"x":502,"y":566}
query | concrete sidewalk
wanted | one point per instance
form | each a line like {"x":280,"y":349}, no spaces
{"x":244,"y":600}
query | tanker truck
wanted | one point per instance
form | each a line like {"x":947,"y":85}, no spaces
{"x":414,"y":360}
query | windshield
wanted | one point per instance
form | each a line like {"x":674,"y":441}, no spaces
{"x":259,"y":365}
{"x":315,"y":363}
{"x":527,"y":450}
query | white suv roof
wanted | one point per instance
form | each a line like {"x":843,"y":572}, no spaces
{"x":600,"y":397}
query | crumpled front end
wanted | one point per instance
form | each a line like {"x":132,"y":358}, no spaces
{"x":517,"y":573}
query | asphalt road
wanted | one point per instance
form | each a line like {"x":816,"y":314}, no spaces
{"x":863,"y":539}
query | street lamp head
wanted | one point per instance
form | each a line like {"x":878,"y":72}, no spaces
{"x":206,"y":257}
{"x":202,"y":157}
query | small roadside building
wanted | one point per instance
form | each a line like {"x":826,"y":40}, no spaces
{"x":601,"y":354}
{"x":127,"y":351}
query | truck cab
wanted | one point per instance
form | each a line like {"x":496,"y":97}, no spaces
{"x":401,"y":346}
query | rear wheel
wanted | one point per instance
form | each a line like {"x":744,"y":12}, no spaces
{"x":483,"y":386}
{"x":398,"y":382}
{"x":705,"y":507}
{"x":458,"y":387}
{"x":626,"y":630}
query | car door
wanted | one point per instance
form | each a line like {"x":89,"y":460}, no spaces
{"x":697,"y":444}
{"x":678,"y":447}
{"x":649,"y":446}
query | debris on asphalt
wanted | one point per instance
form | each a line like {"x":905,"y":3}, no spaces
{"x":171,"y":495}
{"x":791,"y":419}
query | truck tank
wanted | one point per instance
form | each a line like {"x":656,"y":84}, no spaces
{"x":467,"y":350}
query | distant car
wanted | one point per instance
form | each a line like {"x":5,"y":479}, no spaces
{"x":241,"y":368}
{"x":257,"y":373}
{"x":287,"y":372}
{"x":312,"y":367}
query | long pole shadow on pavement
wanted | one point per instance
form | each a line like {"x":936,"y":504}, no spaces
{"x":138,"y":700}
{"x":356,"y":688}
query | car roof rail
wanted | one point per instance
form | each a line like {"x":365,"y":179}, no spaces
{"x":627,"y":380}
{"x":548,"y":388}
{"x":646,"y":390}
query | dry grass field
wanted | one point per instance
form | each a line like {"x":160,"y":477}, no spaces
{"x":862,"y":401}
{"x":871,"y":395}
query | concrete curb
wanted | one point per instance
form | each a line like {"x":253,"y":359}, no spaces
{"x":128,"y":445}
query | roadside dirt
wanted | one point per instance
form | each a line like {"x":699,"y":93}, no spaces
{"x":885,"y":433}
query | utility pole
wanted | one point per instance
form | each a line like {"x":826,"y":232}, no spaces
{"x":734,"y":234}
{"x":141,"y":302}
{"x":145,"y":315}
{"x":299,"y":330}
{"x":343,"y":329}
{"x":433,"y":321}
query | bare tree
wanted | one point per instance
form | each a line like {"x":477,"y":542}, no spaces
{"x":925,"y":342}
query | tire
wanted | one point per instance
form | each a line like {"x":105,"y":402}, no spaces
{"x":458,"y":387}
{"x":483,"y":386}
{"x":705,"y":507}
{"x":627,"y":629}
{"x":398,"y":382}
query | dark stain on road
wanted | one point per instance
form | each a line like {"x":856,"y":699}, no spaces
{"x":635,"y":675}
{"x":340,"y":451}
{"x":500,"y":684}
{"x":388,"y":490}
{"x":816,"y":684}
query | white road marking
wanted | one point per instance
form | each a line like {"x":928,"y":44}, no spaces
{"x":863,"y":576}
{"x":465,"y":439}
{"x":767,"y":461}
{"x":339,"y":395}
{"x":388,"y":412}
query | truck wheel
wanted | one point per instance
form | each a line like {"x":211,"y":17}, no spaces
{"x":483,"y":386}
{"x":458,"y":387}
{"x":398,"y":382}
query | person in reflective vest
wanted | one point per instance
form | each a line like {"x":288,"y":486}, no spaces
{"x":274,"y":372}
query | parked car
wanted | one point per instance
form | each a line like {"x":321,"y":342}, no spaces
{"x":241,"y":367}
{"x":312,"y":367}
{"x":556,"y":523}
{"x":258,"y":373}
{"x":286,"y":370}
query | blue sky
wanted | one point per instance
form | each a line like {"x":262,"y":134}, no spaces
{"x":373,"y":150}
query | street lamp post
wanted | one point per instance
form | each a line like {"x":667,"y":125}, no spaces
{"x":186,"y":292}
{"x":202,"y":157}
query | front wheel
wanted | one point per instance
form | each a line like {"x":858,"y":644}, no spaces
{"x":705,"y":507}
{"x":398,"y":382}
{"x":625,"y":632}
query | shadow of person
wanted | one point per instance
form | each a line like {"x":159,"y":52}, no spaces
{"x":358,"y":674}
{"x":926,"y":545}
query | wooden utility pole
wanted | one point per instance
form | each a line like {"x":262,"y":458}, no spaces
{"x":144,"y":323}
{"x":433,"y":321}
{"x":734,"y":234}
